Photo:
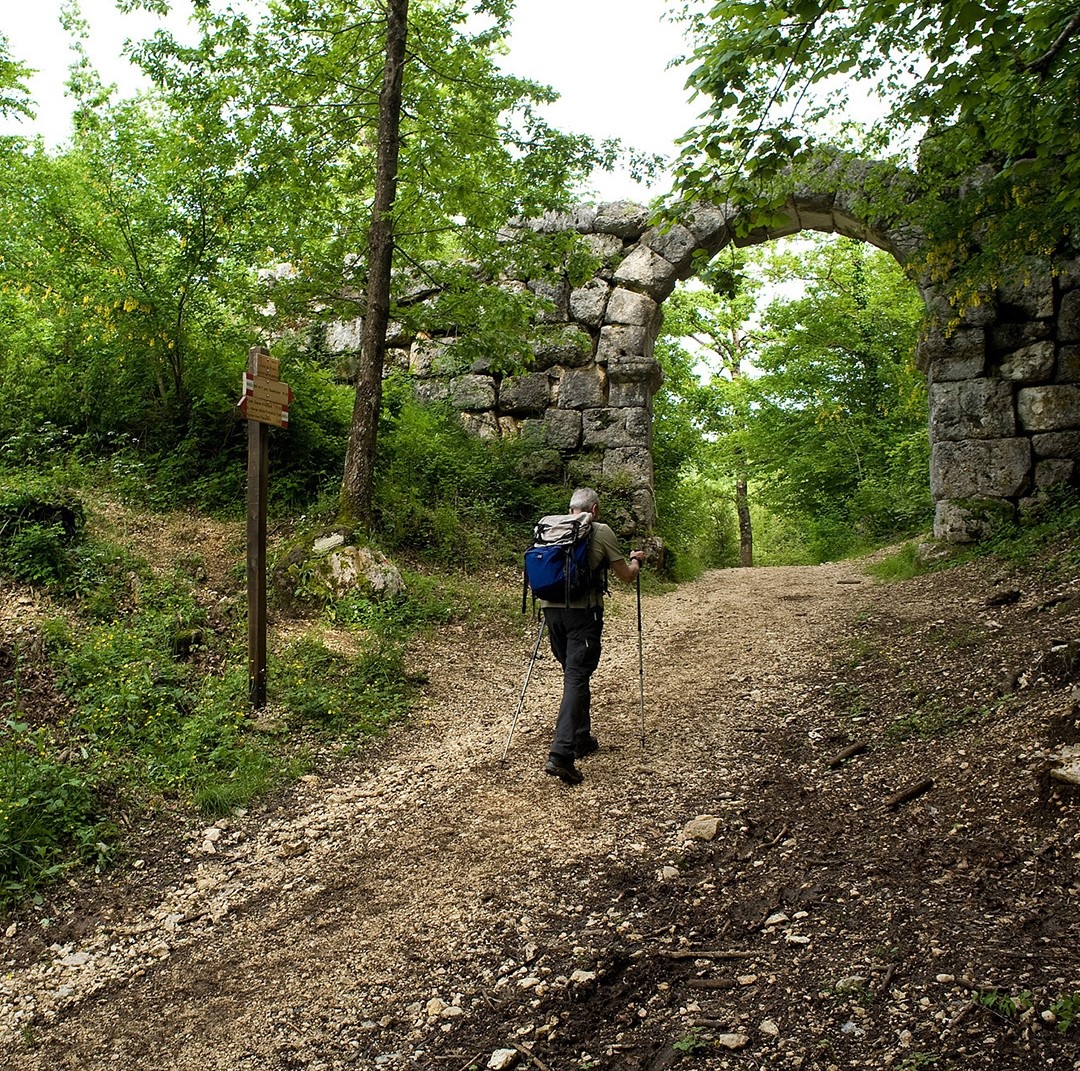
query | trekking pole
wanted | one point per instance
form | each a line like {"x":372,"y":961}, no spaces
{"x":641,"y":661}
{"x":528,"y":674}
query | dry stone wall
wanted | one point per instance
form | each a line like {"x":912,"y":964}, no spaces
{"x":1004,"y":400}
{"x":1004,"y":385}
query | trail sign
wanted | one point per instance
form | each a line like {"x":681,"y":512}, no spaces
{"x":265,"y":403}
{"x":265,"y":398}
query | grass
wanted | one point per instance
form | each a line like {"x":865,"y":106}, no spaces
{"x":934,"y":719}
{"x":154,"y":699}
{"x":1047,"y":536}
{"x":903,"y":565}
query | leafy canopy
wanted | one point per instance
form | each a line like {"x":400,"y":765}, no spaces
{"x":954,"y":91}
{"x":815,"y":400}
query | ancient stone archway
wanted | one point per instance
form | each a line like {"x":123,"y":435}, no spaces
{"x":1004,"y":385}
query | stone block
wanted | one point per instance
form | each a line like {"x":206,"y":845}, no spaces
{"x":1068,"y":318}
{"x":980,"y":468}
{"x":629,"y":307}
{"x":636,"y":370}
{"x":638,"y":423}
{"x":1029,"y":364}
{"x":607,"y":248}
{"x":589,"y":302}
{"x":343,"y":336}
{"x":583,"y":470}
{"x":623,"y":340}
{"x":1057,"y":444}
{"x":634,"y":394}
{"x":1031,"y":291}
{"x":631,"y":462}
{"x":1068,"y":274}
{"x":525,"y":394}
{"x":1068,"y":364}
{"x":566,"y":345}
{"x":582,"y":388}
{"x":625,"y":219}
{"x":785,"y":223}
{"x":431,"y":357}
{"x":434,"y":390}
{"x":482,"y":425}
{"x":905,"y":242}
{"x":1004,"y":338}
{"x":397,"y":334}
{"x":1054,"y":472}
{"x":949,"y":357}
{"x":675,"y":243}
{"x":966,"y":522}
{"x":971,"y":409}
{"x":473,"y":393}
{"x":647,"y":271}
{"x":562,"y":428}
{"x":534,"y":430}
{"x":815,"y":210}
{"x":1055,"y":407}
{"x":580,"y":218}
{"x":710,"y":225}
{"x":941,"y":311}
{"x":642,"y":511}
{"x":606,"y":428}
{"x":542,"y":463}
{"x":555,"y":298}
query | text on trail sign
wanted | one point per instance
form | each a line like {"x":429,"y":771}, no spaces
{"x":265,"y":398}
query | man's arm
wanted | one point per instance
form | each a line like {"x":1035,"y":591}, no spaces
{"x":628,"y":570}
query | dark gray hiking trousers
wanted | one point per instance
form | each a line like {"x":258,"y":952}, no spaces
{"x":575,"y":643}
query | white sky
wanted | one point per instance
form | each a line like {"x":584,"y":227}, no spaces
{"x":607,"y":58}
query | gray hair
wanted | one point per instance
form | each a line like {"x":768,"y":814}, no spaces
{"x":583,"y":500}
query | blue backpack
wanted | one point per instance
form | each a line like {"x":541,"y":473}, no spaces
{"x":557,"y":563}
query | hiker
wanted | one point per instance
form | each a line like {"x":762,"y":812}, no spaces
{"x":574,"y":629}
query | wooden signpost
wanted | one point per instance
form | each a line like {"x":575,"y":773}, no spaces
{"x":265,"y":403}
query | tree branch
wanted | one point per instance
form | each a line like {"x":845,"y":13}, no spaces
{"x":1042,"y":64}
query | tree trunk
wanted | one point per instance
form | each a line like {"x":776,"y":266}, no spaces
{"x":359,"y":476}
{"x":746,"y":535}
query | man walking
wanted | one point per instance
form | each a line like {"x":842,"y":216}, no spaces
{"x":574,"y":629}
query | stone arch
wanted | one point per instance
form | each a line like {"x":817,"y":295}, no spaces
{"x":1004,"y":384}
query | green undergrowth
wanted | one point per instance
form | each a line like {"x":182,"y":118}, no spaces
{"x":1046,"y":539}
{"x":148,"y":709}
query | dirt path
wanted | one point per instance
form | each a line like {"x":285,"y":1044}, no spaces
{"x":435,"y":905}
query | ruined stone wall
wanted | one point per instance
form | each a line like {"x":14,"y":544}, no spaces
{"x":1004,"y":385}
{"x":1004,"y":401}
{"x":586,"y":400}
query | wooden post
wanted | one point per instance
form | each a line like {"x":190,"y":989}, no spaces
{"x":265,"y":403}
{"x":257,"y":487}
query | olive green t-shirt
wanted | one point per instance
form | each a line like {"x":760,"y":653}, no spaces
{"x":603,"y":549}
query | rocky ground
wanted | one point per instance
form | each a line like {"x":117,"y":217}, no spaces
{"x":728,"y":892}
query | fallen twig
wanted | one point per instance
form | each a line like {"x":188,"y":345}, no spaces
{"x":908,"y":793}
{"x":707,"y":954}
{"x":531,"y":1056}
{"x":778,"y":838}
{"x":959,"y":1018}
{"x":840,"y":756}
{"x":710,"y":983}
{"x":887,"y":980}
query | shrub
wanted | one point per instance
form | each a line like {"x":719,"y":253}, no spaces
{"x":49,"y":817}
{"x":442,"y":494}
{"x":39,"y":523}
{"x":352,"y":696}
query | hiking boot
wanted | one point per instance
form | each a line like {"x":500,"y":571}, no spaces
{"x":586,"y":745}
{"x":564,"y":769}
